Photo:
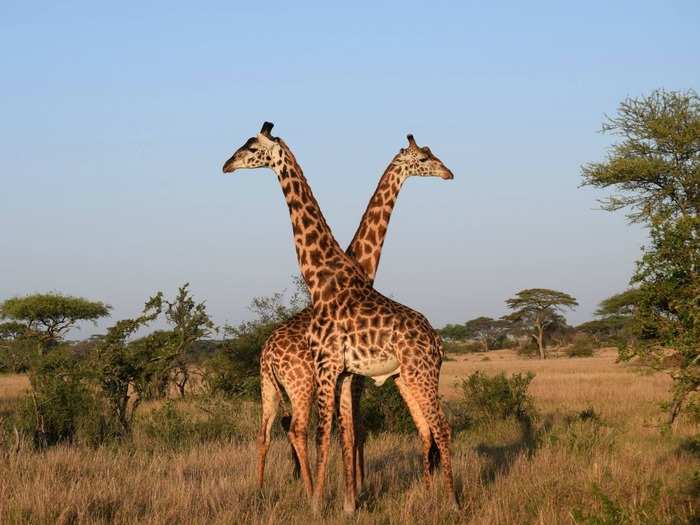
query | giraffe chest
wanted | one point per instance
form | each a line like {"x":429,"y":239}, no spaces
{"x":377,"y":365}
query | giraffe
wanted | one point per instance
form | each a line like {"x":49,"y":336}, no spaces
{"x":353,"y":328}
{"x":286,"y":361}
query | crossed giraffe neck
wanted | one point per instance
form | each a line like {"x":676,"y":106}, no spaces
{"x":323,"y":264}
{"x":366,"y":245}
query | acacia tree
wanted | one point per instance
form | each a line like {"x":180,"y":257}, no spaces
{"x":122,"y":369}
{"x":655,"y":171}
{"x":50,"y":316}
{"x":486,"y":330}
{"x":190,"y":323}
{"x":614,"y":317}
{"x":535,"y":309}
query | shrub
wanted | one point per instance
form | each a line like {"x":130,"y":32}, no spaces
{"x":487,"y":398}
{"x":61,"y":406}
{"x":462,"y":347}
{"x":383,"y":409}
{"x":173,"y":428}
{"x":581,"y":346}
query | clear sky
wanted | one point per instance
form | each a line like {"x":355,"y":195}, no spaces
{"x":115,"y":119}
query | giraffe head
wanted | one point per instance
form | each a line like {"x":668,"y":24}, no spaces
{"x":260,"y":151}
{"x":419,"y":161}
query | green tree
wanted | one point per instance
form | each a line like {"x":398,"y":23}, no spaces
{"x":235,"y":368}
{"x":655,"y":171}
{"x":190,"y":323}
{"x":486,"y":330}
{"x":52,"y":315}
{"x":536,"y":309}
{"x":454,"y":332}
{"x":614,"y":318}
{"x":122,"y":369}
{"x":16,"y":346}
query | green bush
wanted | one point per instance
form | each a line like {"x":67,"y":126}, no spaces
{"x":462,"y":347}
{"x":172,"y":428}
{"x":487,"y":398}
{"x":582,"y":345}
{"x":61,"y":406}
{"x":383,"y":409}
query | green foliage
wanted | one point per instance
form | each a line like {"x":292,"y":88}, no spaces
{"x":61,"y":407}
{"x":18,"y":345}
{"x":234,"y":370}
{"x":655,"y":168}
{"x":536,"y":310}
{"x":582,"y":345}
{"x":383,"y":409}
{"x":123,"y":370}
{"x":52,"y":314}
{"x":454,"y":332}
{"x":479,"y":334}
{"x":190,"y":323}
{"x":172,"y":428}
{"x":485,"y":399}
{"x":461,"y":347}
{"x":655,"y":165}
{"x":615,"y":315}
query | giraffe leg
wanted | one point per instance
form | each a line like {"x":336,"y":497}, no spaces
{"x":347,"y":437}
{"x":326,"y":378}
{"x":358,"y":385}
{"x":298,"y":431}
{"x":425,"y":394}
{"x":421,"y":425}
{"x":270,"y":403}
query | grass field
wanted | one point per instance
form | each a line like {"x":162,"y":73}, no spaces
{"x":613,"y":467}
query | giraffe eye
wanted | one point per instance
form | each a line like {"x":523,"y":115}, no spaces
{"x":426,"y":159}
{"x":252,"y":150}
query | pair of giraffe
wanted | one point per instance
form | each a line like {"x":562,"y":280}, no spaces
{"x":351,"y":331}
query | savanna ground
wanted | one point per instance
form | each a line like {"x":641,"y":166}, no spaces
{"x":594,"y":454}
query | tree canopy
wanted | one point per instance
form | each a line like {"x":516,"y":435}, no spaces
{"x":655,"y":168}
{"x":655,"y":171}
{"x":537,"y":308}
{"x":51,"y":315}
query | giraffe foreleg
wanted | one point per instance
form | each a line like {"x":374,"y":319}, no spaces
{"x":270,"y":403}
{"x":327,"y":373}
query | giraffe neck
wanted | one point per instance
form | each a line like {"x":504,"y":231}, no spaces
{"x":366,"y":245}
{"x":324,"y":265}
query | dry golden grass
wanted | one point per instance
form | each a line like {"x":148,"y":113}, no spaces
{"x":507,"y":473}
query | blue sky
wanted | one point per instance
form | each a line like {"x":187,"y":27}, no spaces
{"x":116,"y":119}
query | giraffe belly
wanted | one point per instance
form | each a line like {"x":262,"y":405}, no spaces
{"x":379,"y":368}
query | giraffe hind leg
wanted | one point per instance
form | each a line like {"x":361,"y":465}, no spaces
{"x":421,"y":425}
{"x":426,"y":396}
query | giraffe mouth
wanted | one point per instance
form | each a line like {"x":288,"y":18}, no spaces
{"x":448,"y":175}
{"x":230,"y":165}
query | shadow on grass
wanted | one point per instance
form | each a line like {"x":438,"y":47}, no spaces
{"x":502,"y":457}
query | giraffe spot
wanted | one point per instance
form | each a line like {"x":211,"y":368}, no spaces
{"x":311,"y":238}
{"x":316,"y":257}
{"x":371,"y":236}
{"x":329,"y":291}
